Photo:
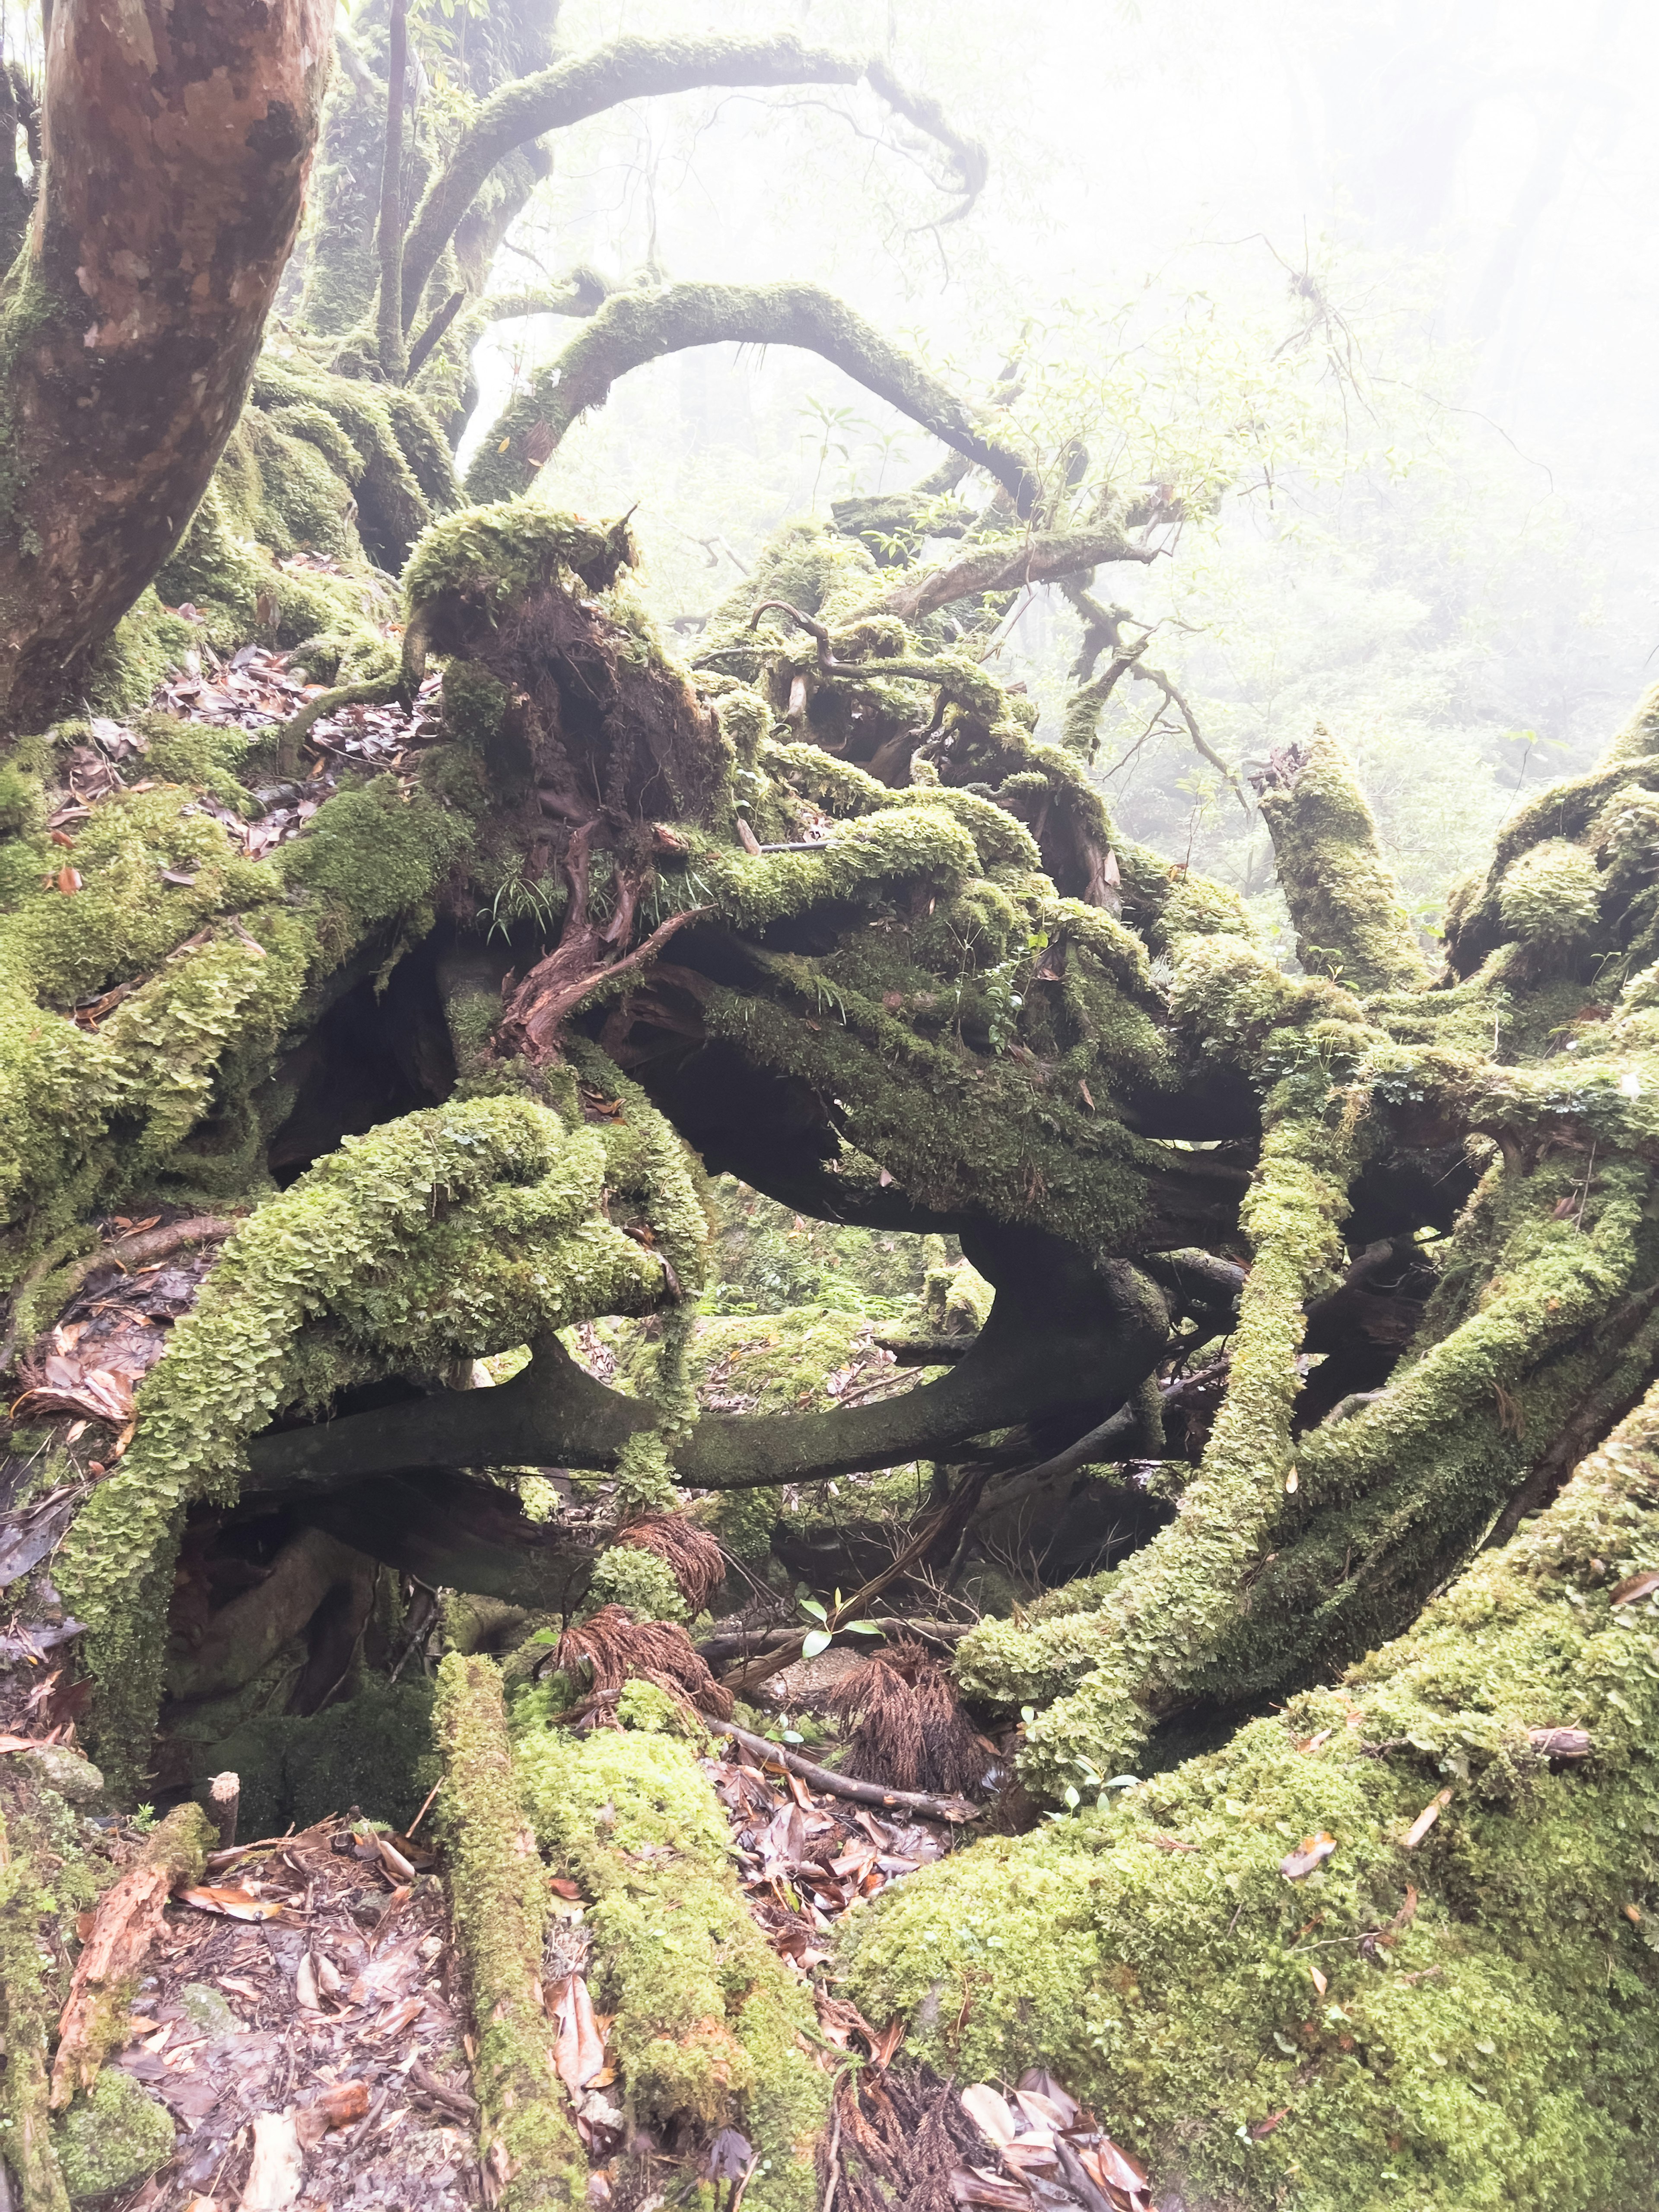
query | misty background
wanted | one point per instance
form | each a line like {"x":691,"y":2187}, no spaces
{"x":1363,"y":289}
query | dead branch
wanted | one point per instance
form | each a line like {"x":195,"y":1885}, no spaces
{"x":954,"y":1810}
{"x":126,"y":1920}
{"x":999,"y":567}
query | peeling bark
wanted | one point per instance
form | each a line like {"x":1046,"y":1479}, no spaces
{"x":177,"y":143}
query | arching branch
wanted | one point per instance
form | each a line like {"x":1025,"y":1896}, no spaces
{"x":1062,"y":1339}
{"x":635,"y":327}
{"x":1001,"y":567}
{"x":639,"y":69}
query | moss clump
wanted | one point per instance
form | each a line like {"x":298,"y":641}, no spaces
{"x":707,"y":2018}
{"x":626,"y":1575}
{"x":374,"y":1750}
{"x":1551,"y":896}
{"x":1350,"y":922}
{"x":498,"y":554}
{"x":116,"y":2135}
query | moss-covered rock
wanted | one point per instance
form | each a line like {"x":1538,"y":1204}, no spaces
{"x":114,"y":2136}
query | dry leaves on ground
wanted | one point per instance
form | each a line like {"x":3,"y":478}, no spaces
{"x":803,"y":1859}
{"x":327,"y":2030}
{"x":1049,"y":2152}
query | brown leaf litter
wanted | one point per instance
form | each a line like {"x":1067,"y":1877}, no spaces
{"x":317,"y":2053}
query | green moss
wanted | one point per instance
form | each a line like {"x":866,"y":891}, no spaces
{"x":626,"y":1575}
{"x":374,"y":1750}
{"x":498,"y":1890}
{"x":1167,"y":1608}
{"x":1350,"y":922}
{"x":1550,"y":895}
{"x":497,"y":554}
{"x":25,"y":2017}
{"x":517,"y":1246}
{"x":707,"y":2018}
{"x":1482,"y":2038}
{"x":116,"y":2137}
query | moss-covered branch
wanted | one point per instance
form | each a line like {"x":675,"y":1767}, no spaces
{"x":635,"y":327}
{"x":1350,"y":922}
{"x":498,"y":1887}
{"x":640,"y":69}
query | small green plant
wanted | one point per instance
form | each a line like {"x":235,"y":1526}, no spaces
{"x":818,"y":1639}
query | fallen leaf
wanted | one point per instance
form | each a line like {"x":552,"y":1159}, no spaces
{"x":21,"y":1743}
{"x":342,"y":2102}
{"x":278,"y":2168}
{"x":233,"y":1903}
{"x":1311,"y":1851}
{"x":1319,"y":1980}
{"x":569,"y":1890}
{"x":1635,"y":1586}
{"x":730,"y":2157}
{"x":1266,"y":2127}
{"x":1425,"y":1819}
{"x":971,"y":2185}
{"x":1041,"y":2112}
{"x":1039,"y":2083}
{"x":989,"y":2113}
{"x":69,"y":880}
{"x":579,"y":2048}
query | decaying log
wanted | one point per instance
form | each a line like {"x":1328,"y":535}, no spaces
{"x":126,"y":1920}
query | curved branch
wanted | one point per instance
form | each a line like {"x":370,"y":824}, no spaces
{"x":999,"y":567}
{"x":635,"y":327}
{"x":642,"y":69}
{"x":1039,"y":1354}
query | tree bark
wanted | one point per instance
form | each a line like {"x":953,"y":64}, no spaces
{"x":177,"y":143}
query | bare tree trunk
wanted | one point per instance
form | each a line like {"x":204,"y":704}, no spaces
{"x":178,"y":140}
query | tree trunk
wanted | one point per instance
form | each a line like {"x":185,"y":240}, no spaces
{"x":178,"y":142}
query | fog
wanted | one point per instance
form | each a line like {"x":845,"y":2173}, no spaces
{"x":1368,"y":284}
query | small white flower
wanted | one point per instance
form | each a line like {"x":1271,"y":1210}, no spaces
{"x":1630,"y":1086}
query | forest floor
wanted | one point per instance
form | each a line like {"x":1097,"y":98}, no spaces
{"x":302,"y":2015}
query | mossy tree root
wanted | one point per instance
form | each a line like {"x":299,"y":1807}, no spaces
{"x":498,"y":1890}
{"x":1170,"y":1603}
{"x":292,"y":734}
{"x":1457,"y":2006}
